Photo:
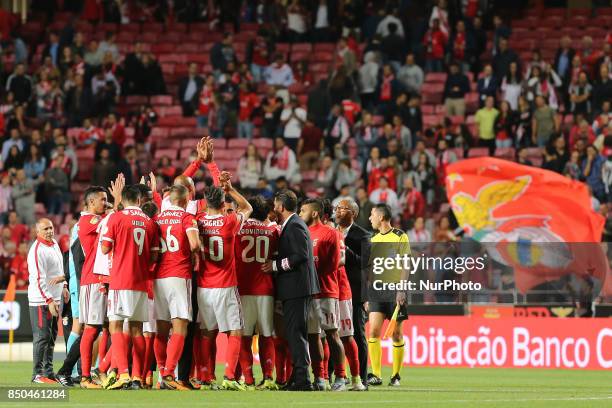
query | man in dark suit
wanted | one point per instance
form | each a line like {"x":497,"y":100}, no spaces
{"x":487,"y":85}
{"x":189,"y":90}
{"x":357,"y":242}
{"x":296,"y":281}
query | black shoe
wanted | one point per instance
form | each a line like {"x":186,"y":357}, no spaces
{"x":65,"y":381}
{"x":135,"y":385}
{"x":300,"y":387}
{"x":395,"y":381}
{"x":374,"y":380}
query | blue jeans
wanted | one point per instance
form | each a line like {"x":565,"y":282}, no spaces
{"x":500,"y":144}
{"x":434,"y":65}
{"x":257,"y":71}
{"x":54,"y":203}
{"x":202,"y":121}
{"x":245,"y":129}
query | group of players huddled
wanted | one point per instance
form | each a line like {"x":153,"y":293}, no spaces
{"x":149,"y":261}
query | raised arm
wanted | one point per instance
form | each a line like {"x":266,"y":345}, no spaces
{"x":205,"y":156}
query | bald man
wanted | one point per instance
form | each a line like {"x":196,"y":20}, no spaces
{"x":46,"y":290}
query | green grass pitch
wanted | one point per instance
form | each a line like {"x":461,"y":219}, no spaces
{"x":421,"y":387}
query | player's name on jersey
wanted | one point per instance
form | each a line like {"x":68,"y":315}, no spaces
{"x":171,"y":213}
{"x":173,"y":221}
{"x":253,"y":231}
{"x":138,"y":223}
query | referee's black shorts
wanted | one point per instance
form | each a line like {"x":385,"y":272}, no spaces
{"x":387,"y":308}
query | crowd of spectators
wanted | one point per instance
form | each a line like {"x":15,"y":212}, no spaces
{"x":357,"y":130}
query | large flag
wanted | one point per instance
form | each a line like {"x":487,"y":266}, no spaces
{"x":9,"y":295}
{"x":537,"y":221}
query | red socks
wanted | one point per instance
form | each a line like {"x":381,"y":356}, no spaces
{"x":246,"y":359}
{"x":138,"y":356}
{"x":352,"y":354}
{"x":175,"y":349}
{"x":266,"y":355}
{"x":87,"y":340}
{"x":325,"y":360}
{"x":159,"y":346}
{"x":102,"y":344}
{"x":206,"y":369}
{"x":232,"y":354}
{"x":105,"y":363}
{"x":149,"y":342}
{"x":120,"y":353}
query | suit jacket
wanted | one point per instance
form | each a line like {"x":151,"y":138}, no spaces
{"x":358,"y":244}
{"x":184,"y":82}
{"x":299,"y":277}
{"x":489,"y":90}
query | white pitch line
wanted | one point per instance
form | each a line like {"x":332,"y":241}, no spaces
{"x":369,"y":402}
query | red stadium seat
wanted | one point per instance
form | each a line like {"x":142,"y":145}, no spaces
{"x":162,"y":48}
{"x":435,"y":77}
{"x":188,"y":47}
{"x":161,"y":100}
{"x":262,"y":143}
{"x":301,"y":47}
{"x":170,"y":111}
{"x":505,"y":153}
{"x":478,"y":152}
{"x":171,"y":153}
{"x":130,"y":27}
{"x":237,"y":144}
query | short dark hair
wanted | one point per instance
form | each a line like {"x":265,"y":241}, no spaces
{"x":316,"y":205}
{"x":131,"y":194}
{"x":215,"y":197}
{"x":91,"y":191}
{"x":143,"y":188}
{"x":385,"y":210}
{"x":287,"y":198}
{"x":149,"y":208}
{"x":260,"y":208}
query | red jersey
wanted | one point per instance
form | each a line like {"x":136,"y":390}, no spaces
{"x":19,"y":266}
{"x":88,"y":236}
{"x":217,"y":232}
{"x":19,"y":233}
{"x":206,"y":100}
{"x":248,"y":103}
{"x":133,"y":237}
{"x":175,"y":255}
{"x":255,"y":244}
{"x":326,"y":250}
{"x":344,"y":287}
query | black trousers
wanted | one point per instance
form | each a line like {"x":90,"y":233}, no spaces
{"x":359,"y":322}
{"x":44,"y":330}
{"x":295,"y":316}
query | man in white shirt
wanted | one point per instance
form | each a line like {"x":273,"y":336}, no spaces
{"x":47,"y":291}
{"x":278,"y":73}
{"x":383,"y":26}
{"x":293,"y":118}
{"x":384,"y":195}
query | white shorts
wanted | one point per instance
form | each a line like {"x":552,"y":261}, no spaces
{"x":219,"y":308}
{"x":128,"y":304}
{"x":150,"y":326}
{"x":172,"y":298}
{"x":323,"y":314}
{"x":92,"y":304}
{"x":258,"y":314}
{"x":346,"y":318}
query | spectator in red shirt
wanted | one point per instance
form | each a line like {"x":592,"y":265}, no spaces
{"x":258,"y":55}
{"x":19,"y":232}
{"x":309,"y":145}
{"x":206,"y":101}
{"x":248,"y":103}
{"x":384,"y":170}
{"x":19,"y":266}
{"x":90,"y":133}
{"x":581,"y":131}
{"x":166,"y":170}
{"x":412,"y":204}
{"x":435,"y":43}
{"x":117,"y":128}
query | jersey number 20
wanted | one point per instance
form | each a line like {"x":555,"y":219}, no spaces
{"x":261,"y":244}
